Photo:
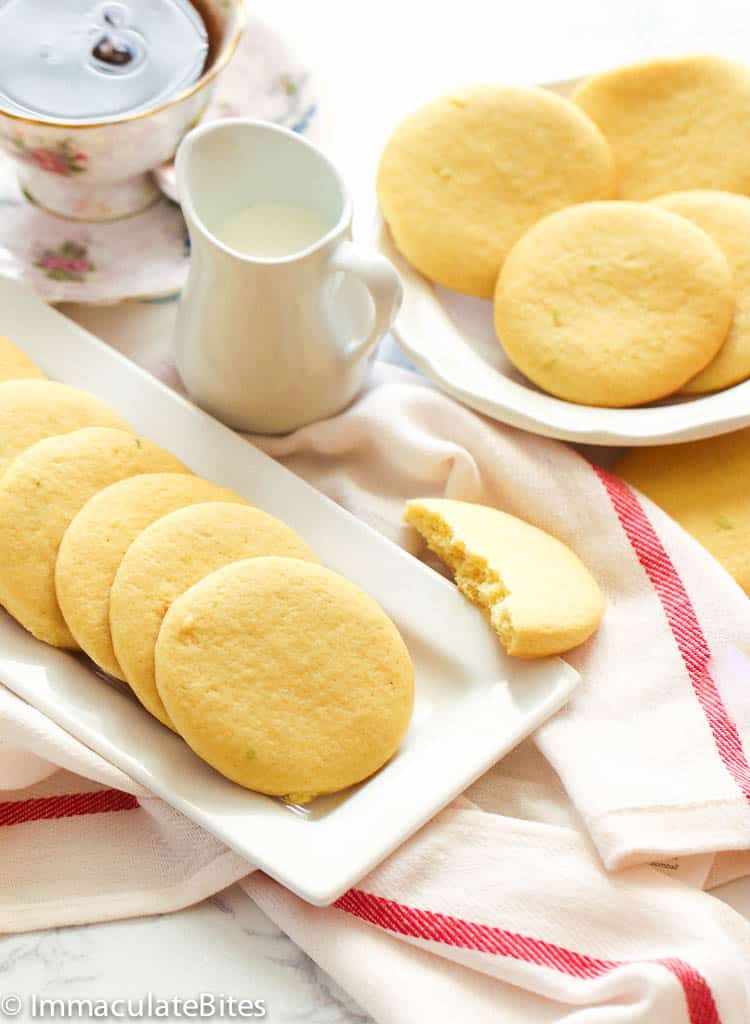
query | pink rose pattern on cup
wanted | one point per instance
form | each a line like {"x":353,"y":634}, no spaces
{"x":224,"y":109}
{"x":69,"y":262}
{"x":64,"y":159}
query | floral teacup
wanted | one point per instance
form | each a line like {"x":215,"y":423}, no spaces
{"x":100,"y":170}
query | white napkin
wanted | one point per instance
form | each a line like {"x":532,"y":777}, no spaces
{"x":511,"y":883}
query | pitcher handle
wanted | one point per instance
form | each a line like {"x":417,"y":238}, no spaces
{"x":381,"y":279}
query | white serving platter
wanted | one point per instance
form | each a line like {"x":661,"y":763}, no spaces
{"x":451,"y":338}
{"x":473,"y":704}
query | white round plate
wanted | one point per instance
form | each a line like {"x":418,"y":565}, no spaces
{"x":451,"y":338}
{"x":147,"y":256}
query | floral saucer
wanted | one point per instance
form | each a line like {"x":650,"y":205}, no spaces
{"x":146,"y":255}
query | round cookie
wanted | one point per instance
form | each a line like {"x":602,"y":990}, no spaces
{"x":15,"y":364}
{"x":613,"y":304}
{"x":462,"y":178}
{"x":539,"y":596}
{"x":31,"y":410}
{"x":98,"y":537}
{"x":703,"y":485}
{"x":673,"y":124}
{"x":40,"y":493}
{"x":285,"y":677}
{"x":724,"y":216}
{"x":169,"y":557}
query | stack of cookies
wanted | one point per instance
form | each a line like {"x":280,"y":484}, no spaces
{"x":278,"y":672}
{"x":610,"y":229}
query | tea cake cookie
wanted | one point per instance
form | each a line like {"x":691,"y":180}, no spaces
{"x":285,"y":677}
{"x":703,"y":485}
{"x":538,"y":595}
{"x":462,"y":178}
{"x":40,"y":493}
{"x":673,"y":124}
{"x":726,"y":218}
{"x":98,"y":537}
{"x":15,"y":364}
{"x":31,"y":410}
{"x":613,"y":304}
{"x":166,"y":560}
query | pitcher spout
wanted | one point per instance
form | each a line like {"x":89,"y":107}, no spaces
{"x":229,"y":165}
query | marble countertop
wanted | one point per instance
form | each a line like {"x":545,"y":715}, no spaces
{"x":226,"y":945}
{"x":223,"y":946}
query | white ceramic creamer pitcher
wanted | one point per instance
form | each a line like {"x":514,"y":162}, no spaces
{"x":269,"y":344}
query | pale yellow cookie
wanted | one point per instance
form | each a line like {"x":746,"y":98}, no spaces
{"x":539,"y":596}
{"x":166,"y":560}
{"x":40,"y":493}
{"x":704,"y":486}
{"x":613,"y":304}
{"x":285,"y":677}
{"x":726,"y":218}
{"x":462,"y":178}
{"x":31,"y":410}
{"x":674,"y":124}
{"x":96,"y":541}
{"x":15,"y":364}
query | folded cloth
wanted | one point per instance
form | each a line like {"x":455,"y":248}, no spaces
{"x":531,"y":907}
{"x":506,"y":905}
{"x":648,"y":749}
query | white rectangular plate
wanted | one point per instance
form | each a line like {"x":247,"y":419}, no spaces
{"x":473,"y":704}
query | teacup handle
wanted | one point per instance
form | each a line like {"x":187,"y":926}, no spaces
{"x":380,"y":278}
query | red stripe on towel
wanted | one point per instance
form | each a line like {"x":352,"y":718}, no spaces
{"x":103,"y":801}
{"x":683,"y":622}
{"x":483,"y":938}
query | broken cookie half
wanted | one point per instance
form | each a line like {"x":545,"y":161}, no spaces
{"x":539,"y":596}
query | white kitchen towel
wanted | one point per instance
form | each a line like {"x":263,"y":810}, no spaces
{"x":478,"y":897}
{"x":81,"y":842}
{"x":648,"y":748}
{"x":511,"y":883}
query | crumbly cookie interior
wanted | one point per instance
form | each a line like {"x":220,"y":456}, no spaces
{"x":474,"y":576}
